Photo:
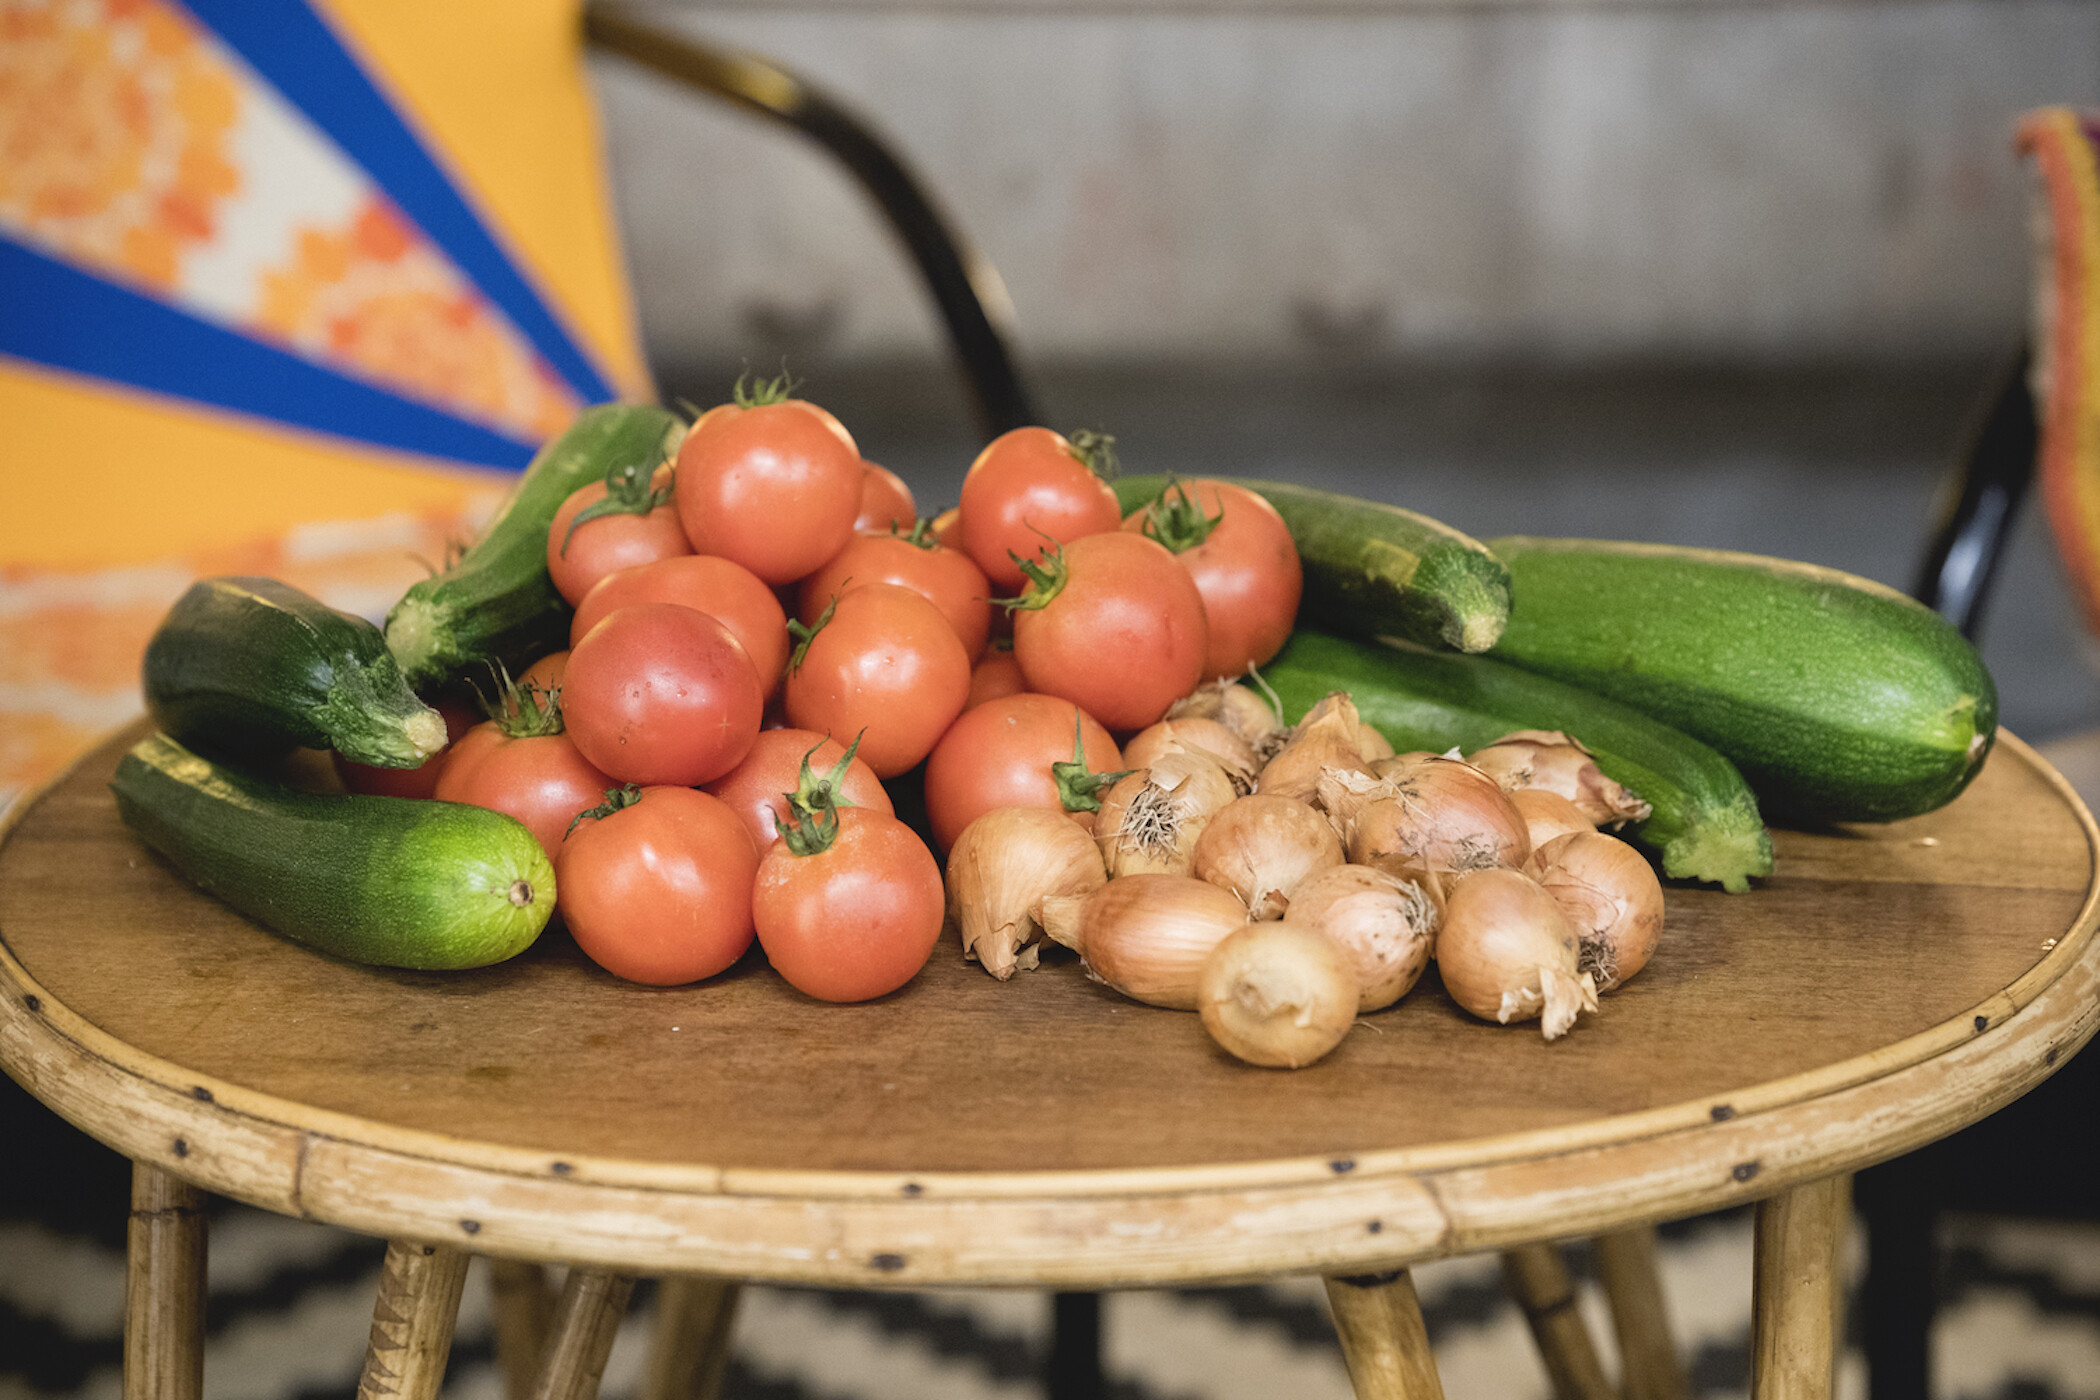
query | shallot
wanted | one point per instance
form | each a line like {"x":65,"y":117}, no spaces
{"x":1276,"y":994}
{"x":1611,"y":896}
{"x":1507,"y":953}
{"x":1000,"y":870}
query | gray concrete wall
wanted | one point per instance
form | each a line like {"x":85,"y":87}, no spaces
{"x":1246,"y":182}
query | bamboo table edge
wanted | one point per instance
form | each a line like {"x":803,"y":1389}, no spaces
{"x":1251,"y":1220}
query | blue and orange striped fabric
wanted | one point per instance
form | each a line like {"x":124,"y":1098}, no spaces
{"x":288,"y":288}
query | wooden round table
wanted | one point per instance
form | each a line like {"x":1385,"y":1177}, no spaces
{"x":1888,"y":985}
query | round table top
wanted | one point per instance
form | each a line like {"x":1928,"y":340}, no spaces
{"x":1889,"y":984}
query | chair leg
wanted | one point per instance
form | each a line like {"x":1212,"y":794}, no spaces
{"x":164,"y":1288}
{"x":1379,"y":1320}
{"x":1537,"y":1277}
{"x":1793,"y":1310}
{"x":585,"y":1322}
{"x":1649,"y":1365}
{"x":690,"y":1348}
{"x":523,"y":1305}
{"x":412,"y":1321}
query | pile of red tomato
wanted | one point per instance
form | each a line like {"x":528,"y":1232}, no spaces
{"x":654,"y":758}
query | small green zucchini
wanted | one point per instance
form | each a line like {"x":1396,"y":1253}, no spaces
{"x":391,"y":881}
{"x":251,"y":668}
{"x":1376,"y":570}
{"x":1840,"y":699}
{"x":1704,"y":823}
{"x":495,"y":603}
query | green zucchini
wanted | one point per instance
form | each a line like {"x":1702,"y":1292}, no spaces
{"x":393,"y":881}
{"x":496,"y":603}
{"x":1840,"y":699}
{"x":1704,"y":823}
{"x":251,"y":668}
{"x":1375,"y":570}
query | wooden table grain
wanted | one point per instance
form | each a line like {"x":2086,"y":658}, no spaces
{"x":1888,"y":985}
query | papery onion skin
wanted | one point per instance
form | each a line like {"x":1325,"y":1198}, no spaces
{"x":1384,"y":926}
{"x":1207,"y":736}
{"x":1547,"y":815}
{"x":1261,"y":847}
{"x":1001,"y":868}
{"x":1149,"y":821}
{"x":1147,"y":935}
{"x":1507,"y":953}
{"x":1549,"y":759}
{"x":1277,"y":995}
{"x":1612,"y":897}
{"x":1326,"y":738}
{"x":1446,"y":817}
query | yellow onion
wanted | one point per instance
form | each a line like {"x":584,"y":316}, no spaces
{"x":1385,"y":927}
{"x":1444,"y":817}
{"x":1507,"y":953}
{"x":1260,"y":847}
{"x":1240,"y":709}
{"x":1191,"y":734}
{"x":1611,"y":896}
{"x":1146,"y":935}
{"x":1275,"y":994}
{"x":1549,"y":759}
{"x":1001,"y":868}
{"x":1328,"y":737}
{"x":1547,"y":815}
{"x":1149,"y":821}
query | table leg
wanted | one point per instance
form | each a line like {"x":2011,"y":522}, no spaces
{"x":1793,"y":1304}
{"x":1379,"y":1319}
{"x":1537,"y":1277}
{"x":523,"y":1305}
{"x":412,"y":1321}
{"x":1649,"y":1365}
{"x":585,"y":1322}
{"x":690,"y":1349}
{"x":164,"y":1288}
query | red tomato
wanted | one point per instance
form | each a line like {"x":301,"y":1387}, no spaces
{"x":774,"y":486}
{"x":885,"y":501}
{"x":755,"y":788}
{"x":1000,"y":755}
{"x":944,"y":577}
{"x":886,"y":666}
{"x":659,"y":891}
{"x":1122,"y":636}
{"x":1239,"y":551}
{"x":1028,"y":488}
{"x":542,"y":780}
{"x":546,"y":673}
{"x":725,"y":591}
{"x":605,"y":544}
{"x":996,"y":674}
{"x":658,"y":693}
{"x":420,"y":781}
{"x":854,"y":920}
{"x":947,"y":527}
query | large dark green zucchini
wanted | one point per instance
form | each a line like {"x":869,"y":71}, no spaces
{"x":1705,"y":821}
{"x":1840,"y":699}
{"x":1375,"y":570}
{"x":393,"y":881}
{"x":251,"y":668}
{"x":496,"y":603}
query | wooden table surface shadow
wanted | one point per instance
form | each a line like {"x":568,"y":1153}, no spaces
{"x":1888,"y":985}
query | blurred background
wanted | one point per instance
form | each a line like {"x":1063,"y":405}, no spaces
{"x":1713,"y":272}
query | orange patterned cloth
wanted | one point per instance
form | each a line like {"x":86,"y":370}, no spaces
{"x":2066,"y":374}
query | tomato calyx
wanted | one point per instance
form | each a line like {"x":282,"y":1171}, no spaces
{"x":616,"y":800}
{"x":628,"y":491}
{"x":521,"y":709}
{"x":807,"y":831}
{"x":921,"y":536}
{"x":1046,"y":575}
{"x":1175,"y":518}
{"x":805,"y":634}
{"x":827,"y":793}
{"x":763,"y":393}
{"x":1078,"y":789}
{"x":1097,"y":451}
